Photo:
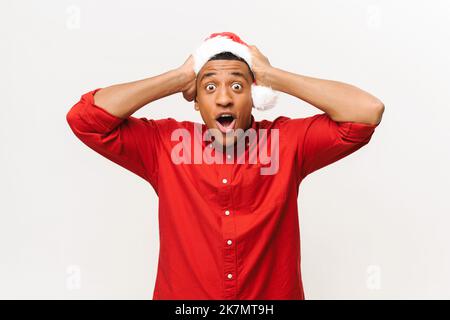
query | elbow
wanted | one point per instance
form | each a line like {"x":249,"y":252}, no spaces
{"x":75,"y":121}
{"x":376,"y":113}
{"x":71,"y":117}
{"x":379,"y":110}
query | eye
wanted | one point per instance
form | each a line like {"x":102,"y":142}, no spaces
{"x":237,"y":84}
{"x":209,"y":86}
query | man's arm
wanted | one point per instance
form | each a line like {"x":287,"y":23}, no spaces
{"x":348,"y":122}
{"x":122,"y":100}
{"x":341,"y":101}
{"x":102,"y":119}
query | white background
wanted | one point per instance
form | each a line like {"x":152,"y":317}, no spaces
{"x":73,"y":225}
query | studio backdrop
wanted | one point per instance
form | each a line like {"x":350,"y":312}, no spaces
{"x":74,"y":225}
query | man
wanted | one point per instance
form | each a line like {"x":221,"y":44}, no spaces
{"x":227,"y":230}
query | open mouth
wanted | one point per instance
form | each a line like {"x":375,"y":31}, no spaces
{"x":225,"y":122}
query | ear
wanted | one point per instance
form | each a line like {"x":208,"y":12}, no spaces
{"x":196,"y":105}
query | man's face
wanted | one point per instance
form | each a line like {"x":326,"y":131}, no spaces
{"x":224,"y":87}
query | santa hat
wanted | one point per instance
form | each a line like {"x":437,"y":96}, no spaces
{"x":264,"y":98}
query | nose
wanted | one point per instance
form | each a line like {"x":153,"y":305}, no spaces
{"x":224,"y":98}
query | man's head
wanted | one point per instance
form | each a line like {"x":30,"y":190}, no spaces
{"x":224,"y":87}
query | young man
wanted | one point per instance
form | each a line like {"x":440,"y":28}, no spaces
{"x":228,"y":226}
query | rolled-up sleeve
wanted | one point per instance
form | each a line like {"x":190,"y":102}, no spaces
{"x":321,"y":141}
{"x":131,"y":142}
{"x":326,"y":141}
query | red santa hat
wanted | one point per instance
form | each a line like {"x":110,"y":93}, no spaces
{"x":264,"y":98}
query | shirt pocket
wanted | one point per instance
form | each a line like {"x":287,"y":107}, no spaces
{"x":254,"y":191}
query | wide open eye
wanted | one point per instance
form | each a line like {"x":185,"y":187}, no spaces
{"x":209,"y":86}
{"x":237,"y":86}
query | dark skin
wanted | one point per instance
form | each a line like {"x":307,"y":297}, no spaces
{"x":340,"y":101}
{"x":227,"y":90}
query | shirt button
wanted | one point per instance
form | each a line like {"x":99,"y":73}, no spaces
{"x":229,"y":242}
{"x":229,"y":156}
{"x":224,"y":180}
{"x":230,"y":276}
{"x":227,"y":213}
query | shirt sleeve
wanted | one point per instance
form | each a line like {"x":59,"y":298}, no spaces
{"x":322,"y":141}
{"x":131,"y":142}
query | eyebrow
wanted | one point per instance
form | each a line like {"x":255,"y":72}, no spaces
{"x":234,"y":73}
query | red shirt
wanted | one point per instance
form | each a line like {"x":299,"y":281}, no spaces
{"x":226,"y":231}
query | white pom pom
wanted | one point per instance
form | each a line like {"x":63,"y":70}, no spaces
{"x":264,"y":98}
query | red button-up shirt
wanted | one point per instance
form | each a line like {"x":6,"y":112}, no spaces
{"x":226,"y":231}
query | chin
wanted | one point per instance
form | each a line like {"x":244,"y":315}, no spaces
{"x":225,"y":142}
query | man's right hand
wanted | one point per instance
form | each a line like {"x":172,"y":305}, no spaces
{"x":189,"y":90}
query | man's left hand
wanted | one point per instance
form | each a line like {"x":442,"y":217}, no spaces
{"x":260,"y":66}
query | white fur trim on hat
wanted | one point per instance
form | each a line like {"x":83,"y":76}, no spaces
{"x":263,"y":97}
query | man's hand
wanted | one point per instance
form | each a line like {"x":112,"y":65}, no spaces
{"x":260,"y":66}
{"x":189,"y":90}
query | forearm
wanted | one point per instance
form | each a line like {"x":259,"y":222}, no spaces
{"x":122,"y":100}
{"x":341,"y":101}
